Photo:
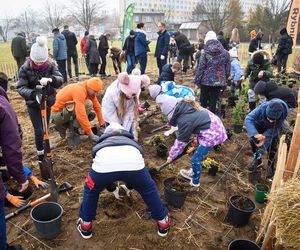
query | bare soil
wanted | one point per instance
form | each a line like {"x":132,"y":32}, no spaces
{"x":127,"y":224}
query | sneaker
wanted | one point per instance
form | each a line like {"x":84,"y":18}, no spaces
{"x":193,"y":184}
{"x":163,"y":228}
{"x":188,"y":174}
{"x":256,"y":163}
{"x":86,"y":234}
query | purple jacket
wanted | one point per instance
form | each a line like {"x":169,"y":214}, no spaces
{"x":214,"y":65}
{"x":10,"y":142}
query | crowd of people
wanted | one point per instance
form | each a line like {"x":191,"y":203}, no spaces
{"x":75,"y":105}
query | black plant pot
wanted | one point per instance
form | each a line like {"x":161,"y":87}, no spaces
{"x":239,"y":216}
{"x":213,"y":170}
{"x":237,"y":128}
{"x":161,"y":150}
{"x":173,"y":197}
{"x":243,"y":245}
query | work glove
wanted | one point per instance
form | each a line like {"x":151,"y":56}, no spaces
{"x":171,"y":131}
{"x":24,"y":186}
{"x":45,"y":80}
{"x":38,"y":182}
{"x":259,"y":140}
{"x":117,"y":195}
{"x":261,"y":74}
{"x":169,"y":160}
{"x":126,"y":189}
{"x":94,"y":138}
{"x":17,"y":201}
{"x":162,"y":57}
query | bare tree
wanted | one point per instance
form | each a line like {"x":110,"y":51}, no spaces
{"x":86,"y":12}
{"x":6,"y":25}
{"x":27,"y":21}
{"x":54,"y":14}
{"x":216,"y":12}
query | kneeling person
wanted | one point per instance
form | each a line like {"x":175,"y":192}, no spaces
{"x":129,"y":167}
{"x":77,"y":101}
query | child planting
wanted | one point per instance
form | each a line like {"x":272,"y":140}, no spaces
{"x":168,"y":72}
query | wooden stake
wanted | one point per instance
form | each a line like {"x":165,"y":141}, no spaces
{"x":297,"y":167}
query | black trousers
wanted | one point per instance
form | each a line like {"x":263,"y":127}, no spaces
{"x":94,"y":68}
{"x":209,"y":97}
{"x":62,"y":68}
{"x":69,"y":64}
{"x":103,"y":64}
{"x":20,"y":61}
{"x":161,"y":63}
{"x":281,"y":61}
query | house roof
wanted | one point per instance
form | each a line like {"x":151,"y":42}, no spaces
{"x":190,"y":26}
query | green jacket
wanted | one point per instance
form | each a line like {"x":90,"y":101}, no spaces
{"x":252,"y":71}
{"x":18,"y":47}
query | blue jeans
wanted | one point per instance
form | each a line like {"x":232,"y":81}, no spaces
{"x":197,"y":159}
{"x":142,"y":59}
{"x":2,"y":227}
{"x":130,"y":59}
{"x":139,"y":180}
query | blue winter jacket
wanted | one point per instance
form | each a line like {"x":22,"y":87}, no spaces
{"x":166,"y":74}
{"x":258,"y":119}
{"x":59,"y":47}
{"x":178,"y":91}
{"x":236,"y":71}
{"x":140,"y":44}
{"x":162,"y":44}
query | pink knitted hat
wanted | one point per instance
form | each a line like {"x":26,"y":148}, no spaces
{"x":130,"y":84}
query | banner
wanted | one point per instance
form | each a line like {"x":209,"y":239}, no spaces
{"x":293,"y":20}
{"x":127,"y":21}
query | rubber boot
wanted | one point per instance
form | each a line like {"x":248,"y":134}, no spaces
{"x":44,"y":171}
{"x":252,"y":105}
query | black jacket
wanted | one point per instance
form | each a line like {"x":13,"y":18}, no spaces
{"x":189,"y":120}
{"x":271,"y":90}
{"x":182,"y":41}
{"x":71,"y":42}
{"x":92,"y":51}
{"x":166,"y":74}
{"x":223,"y":41}
{"x":162,"y":44}
{"x":255,"y":44}
{"x":285,"y":45}
{"x":29,"y":78}
{"x":128,"y":46}
{"x":103,"y":46}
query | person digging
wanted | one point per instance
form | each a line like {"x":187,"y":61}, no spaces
{"x":74,"y":105}
{"x":263,"y":126}
{"x":128,"y":167}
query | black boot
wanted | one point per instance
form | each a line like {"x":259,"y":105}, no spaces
{"x":252,"y":105}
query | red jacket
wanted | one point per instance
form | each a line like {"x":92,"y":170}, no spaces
{"x":83,"y":43}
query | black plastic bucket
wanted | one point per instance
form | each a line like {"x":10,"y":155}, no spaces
{"x":243,"y":245}
{"x":240,"y":216}
{"x":47,"y":219}
{"x":161,"y":150}
{"x":173,"y":197}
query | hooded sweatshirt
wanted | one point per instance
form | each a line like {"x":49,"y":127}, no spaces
{"x":59,"y":47}
{"x":78,"y":93}
{"x":207,"y":127}
{"x":214,"y":65}
{"x":10,"y":142}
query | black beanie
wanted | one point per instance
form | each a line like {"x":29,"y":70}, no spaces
{"x":283,"y":31}
{"x":258,"y":58}
{"x":260,"y":87}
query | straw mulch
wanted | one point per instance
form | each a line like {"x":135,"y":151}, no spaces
{"x":286,"y":200}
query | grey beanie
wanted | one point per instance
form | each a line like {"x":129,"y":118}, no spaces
{"x":39,"y":50}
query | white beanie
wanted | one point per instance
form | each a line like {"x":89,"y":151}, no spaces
{"x":136,"y":72}
{"x":233,"y":53}
{"x":39,"y":50}
{"x":210,"y":35}
{"x":113,"y":127}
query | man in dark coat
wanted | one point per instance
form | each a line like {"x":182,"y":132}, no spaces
{"x":162,"y":45}
{"x":10,"y":143}
{"x":71,"y":51}
{"x":103,"y":51}
{"x":128,"y":49}
{"x":255,"y":44}
{"x":184,"y":46}
{"x":93,"y":55}
{"x":19,"y":49}
{"x":141,"y":46}
{"x":222,"y":40}
{"x":271,"y":90}
{"x":285,"y":47}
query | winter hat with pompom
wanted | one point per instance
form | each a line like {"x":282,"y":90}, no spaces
{"x":39,"y":50}
{"x":154,"y":90}
{"x":136,"y":72}
{"x":129,"y":84}
{"x":210,"y":35}
{"x":145,"y":81}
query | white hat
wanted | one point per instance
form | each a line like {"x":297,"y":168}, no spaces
{"x":233,"y":53}
{"x":39,"y":50}
{"x":136,"y":72}
{"x":210,"y":35}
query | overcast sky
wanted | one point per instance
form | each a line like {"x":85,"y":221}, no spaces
{"x":13,"y":8}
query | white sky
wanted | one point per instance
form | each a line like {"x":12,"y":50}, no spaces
{"x":13,"y":8}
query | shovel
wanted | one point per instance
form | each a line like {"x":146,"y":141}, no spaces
{"x":155,"y":171}
{"x":73,"y":138}
{"x":66,"y":186}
